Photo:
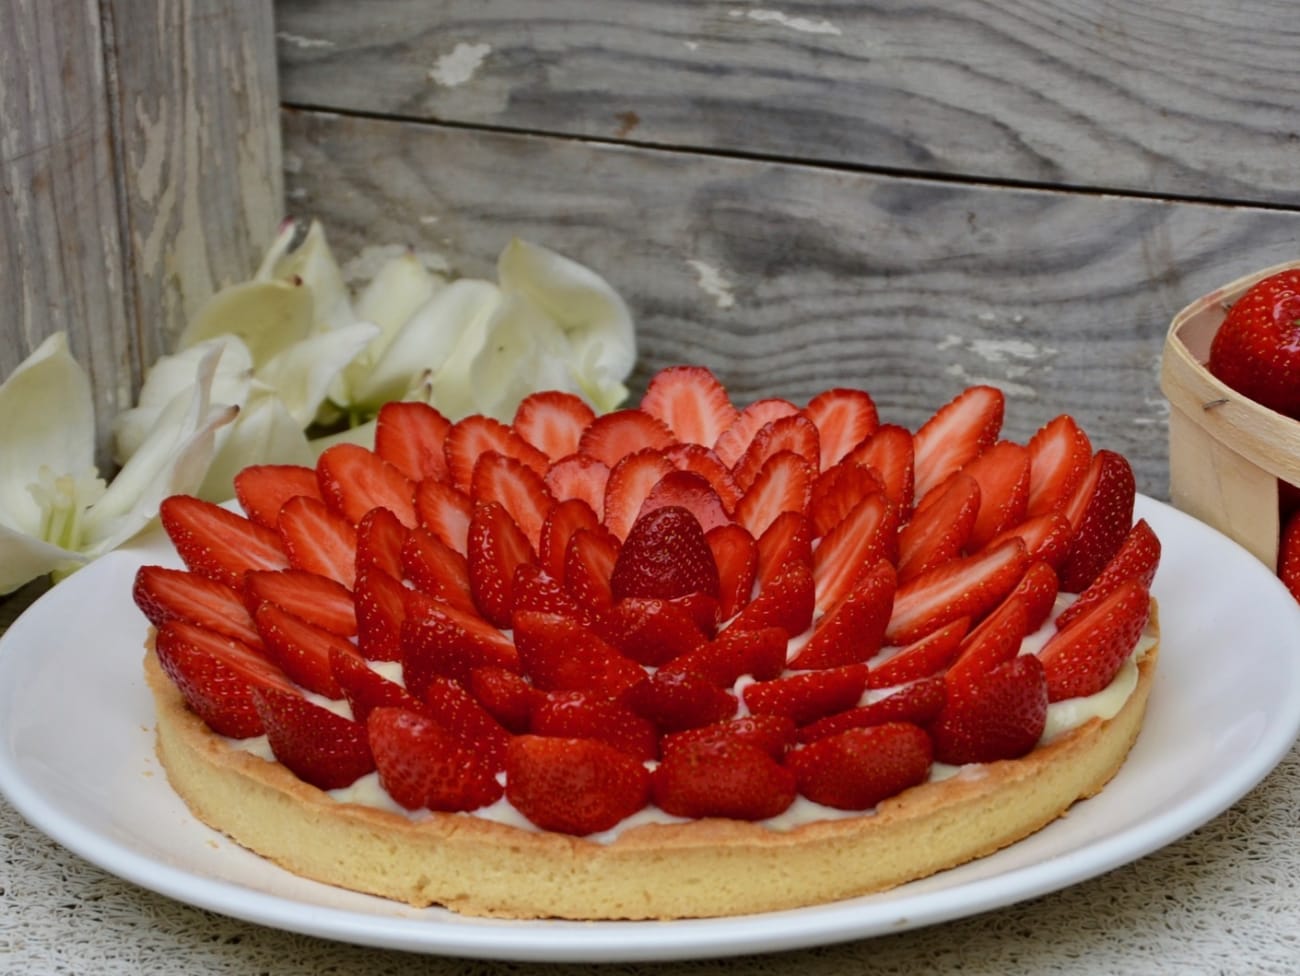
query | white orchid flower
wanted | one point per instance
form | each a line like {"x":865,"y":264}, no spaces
{"x":56,"y":513}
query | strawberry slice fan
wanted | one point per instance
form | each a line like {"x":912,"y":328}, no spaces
{"x":681,"y":610}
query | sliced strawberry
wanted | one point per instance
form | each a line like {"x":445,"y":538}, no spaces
{"x":691,"y":403}
{"x":301,"y":649}
{"x":588,"y":564}
{"x":318,"y":540}
{"x":563,"y":520}
{"x":837,"y":491}
{"x":445,"y":512}
{"x":423,"y":766}
{"x":926,"y":656}
{"x":808,"y":695}
{"x":164,"y":594}
{"x":784,"y":484}
{"x":997,"y":714}
{"x":733,"y":442}
{"x":967,"y":587}
{"x":1084,"y":657}
{"x":321,"y":748}
{"x":1138,"y":558}
{"x":1288,"y":556}
{"x":559,"y":654}
{"x":263,"y":488}
{"x":497,"y":547}
{"x":586,"y":715}
{"x":1003,"y":476}
{"x":613,"y":436}
{"x":438,"y":639}
{"x":858,"y":768}
{"x":437,"y":569}
{"x":665,"y":555}
{"x":844,"y":419}
{"x":217,"y":543}
{"x":889,"y":453}
{"x":216,"y":676}
{"x":958,"y":432}
{"x":705,"y":462}
{"x":734,"y":653}
{"x":573,"y":786}
{"x":650,"y":630}
{"x":517,"y":488}
{"x":722,"y":778}
{"x":864,"y":536}
{"x":1101,"y":511}
{"x":366,"y":689}
{"x":579,"y":476}
{"x":918,"y":703}
{"x":507,"y":695}
{"x":855,"y":629}
{"x":774,"y":734}
{"x":787,"y":601}
{"x":794,"y":434}
{"x":1038,"y":588}
{"x":677,"y":700}
{"x":325,"y":602}
{"x":995,"y":640}
{"x":410,"y":435}
{"x":939,"y":531}
{"x":353,"y":480}
{"x":477,"y":434}
{"x":690,"y":491}
{"x":629,"y":484}
{"x":736,"y":555}
{"x":1046,"y":537}
{"x":1059,"y":454}
{"x":552,"y":421}
{"x":381,"y":607}
{"x":380,"y":537}
{"x":449,"y":704}
{"x":790,"y":536}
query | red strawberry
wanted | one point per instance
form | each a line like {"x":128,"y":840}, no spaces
{"x":1101,"y":511}
{"x":1038,"y":588}
{"x":733,"y":653}
{"x":790,"y":536}
{"x":722,"y":778}
{"x":497,"y":547}
{"x":786,"y":601}
{"x":665,"y":555}
{"x":690,"y":491}
{"x":997,"y":714}
{"x":1255,"y":350}
{"x":967,"y":587}
{"x":837,"y":491}
{"x":864,"y":536}
{"x":613,"y":436}
{"x":507,"y":696}
{"x":1059,"y":454}
{"x":629,"y":484}
{"x":925,"y":656}
{"x":783,"y":484}
{"x":735,"y":440}
{"x":995,"y":640}
{"x":918,"y":703}
{"x":552,"y":421}
{"x":438,"y":639}
{"x":890,"y":454}
{"x":808,"y":695}
{"x":1138,"y":558}
{"x":217,"y":543}
{"x":939,"y":530}
{"x":958,"y":432}
{"x":302,"y":649}
{"x":354,"y":480}
{"x":445,"y":512}
{"x":1003,"y":476}
{"x":325,"y":602}
{"x":518,"y":488}
{"x":456,"y":710}
{"x":263,"y":488}
{"x":843,"y":418}
{"x":381,"y":607}
{"x":579,"y":476}
{"x":410,"y":435}
{"x":679,"y":700}
{"x":318,"y":540}
{"x":477,"y":434}
{"x":774,"y":734}
{"x":794,"y":434}
{"x":588,"y":564}
{"x":691,"y":403}
{"x":650,"y":630}
{"x":705,"y":462}
{"x":1046,"y":537}
{"x":563,"y":520}
{"x":1288,"y":557}
{"x":173,"y":594}
{"x":858,"y":768}
{"x":216,"y":676}
{"x":589,"y":715}
{"x":559,"y":654}
{"x":366,"y":689}
{"x":736,"y":555}
{"x":380,"y":537}
{"x":1083,"y":658}
{"x":422,"y":766}
{"x":321,"y":748}
{"x":855,"y":629}
{"x":573,"y":786}
{"x":534,"y":589}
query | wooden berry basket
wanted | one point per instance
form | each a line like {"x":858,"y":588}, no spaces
{"x":1227,"y":454}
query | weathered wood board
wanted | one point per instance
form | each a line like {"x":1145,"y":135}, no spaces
{"x":1191,"y":98}
{"x":786,"y":278}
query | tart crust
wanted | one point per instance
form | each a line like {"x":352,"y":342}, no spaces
{"x":653,"y":871}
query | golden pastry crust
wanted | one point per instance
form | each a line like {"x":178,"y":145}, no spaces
{"x":654,"y":871}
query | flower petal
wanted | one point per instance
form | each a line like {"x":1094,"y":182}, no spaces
{"x":303,"y":374}
{"x":268,"y":316}
{"x":303,"y":255}
{"x":397,"y":291}
{"x":264,"y":433}
{"x":24,"y":557}
{"x":524,"y":351}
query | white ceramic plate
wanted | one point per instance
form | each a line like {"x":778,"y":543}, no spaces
{"x":76,"y":759}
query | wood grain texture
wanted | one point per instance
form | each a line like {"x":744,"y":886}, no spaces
{"x":1165,"y":97}
{"x":788,"y":279}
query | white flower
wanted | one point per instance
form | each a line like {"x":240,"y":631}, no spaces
{"x":56,"y":512}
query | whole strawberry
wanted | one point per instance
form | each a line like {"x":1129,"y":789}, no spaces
{"x":1257,"y":349}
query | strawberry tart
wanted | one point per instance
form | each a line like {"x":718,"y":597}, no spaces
{"x":677,"y":660}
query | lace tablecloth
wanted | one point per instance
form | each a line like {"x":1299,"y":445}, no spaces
{"x":1224,"y":900}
